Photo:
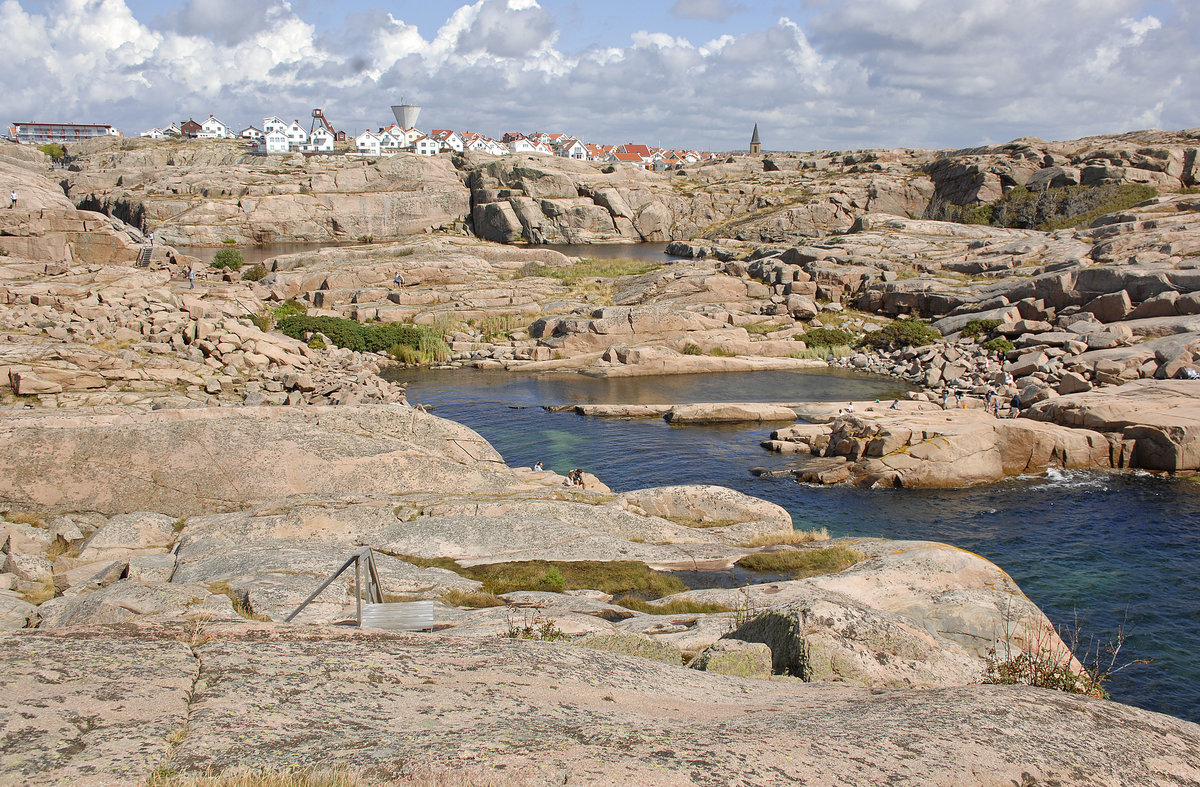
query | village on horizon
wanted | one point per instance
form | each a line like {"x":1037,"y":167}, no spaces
{"x":277,"y":136}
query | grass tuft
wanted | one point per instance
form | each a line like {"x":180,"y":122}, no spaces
{"x":794,"y":537}
{"x":679,"y":606}
{"x":802,"y":563}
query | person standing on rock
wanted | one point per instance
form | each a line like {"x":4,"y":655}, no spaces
{"x":398,"y":281}
{"x":12,"y":199}
{"x":191,"y":277}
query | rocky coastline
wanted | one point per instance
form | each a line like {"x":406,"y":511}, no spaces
{"x":180,"y":475}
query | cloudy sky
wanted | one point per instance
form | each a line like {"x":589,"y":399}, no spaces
{"x":815,"y":74}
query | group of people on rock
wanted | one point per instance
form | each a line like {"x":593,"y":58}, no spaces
{"x":574,"y":477}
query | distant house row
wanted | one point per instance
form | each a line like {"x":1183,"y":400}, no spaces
{"x":278,"y":136}
{"x":393,"y":139}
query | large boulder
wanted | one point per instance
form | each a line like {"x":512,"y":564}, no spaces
{"x":1161,"y":418}
{"x":193,"y":461}
{"x":707,"y":505}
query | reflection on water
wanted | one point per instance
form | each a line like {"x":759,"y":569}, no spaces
{"x":612,"y":251}
{"x":1100,"y":549}
{"x":261,"y":252}
{"x":604,"y":251}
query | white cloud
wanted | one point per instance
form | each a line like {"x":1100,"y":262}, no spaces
{"x":712,"y":10}
{"x":872,"y":72}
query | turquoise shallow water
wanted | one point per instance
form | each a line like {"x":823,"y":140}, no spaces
{"x":1096,"y":551}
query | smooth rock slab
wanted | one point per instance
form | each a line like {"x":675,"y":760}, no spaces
{"x":381,"y":701}
{"x":90,"y":708}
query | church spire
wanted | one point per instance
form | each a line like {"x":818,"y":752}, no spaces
{"x":755,"y":143}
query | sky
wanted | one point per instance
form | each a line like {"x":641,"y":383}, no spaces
{"x":814,"y":74}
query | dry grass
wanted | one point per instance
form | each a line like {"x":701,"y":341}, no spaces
{"x":59,"y":547}
{"x":794,"y":537}
{"x":44,"y":592}
{"x":471,"y":599}
{"x":679,"y":606}
{"x":24,"y":518}
{"x":240,"y":604}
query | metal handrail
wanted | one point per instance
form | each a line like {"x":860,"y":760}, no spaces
{"x":374,"y":589}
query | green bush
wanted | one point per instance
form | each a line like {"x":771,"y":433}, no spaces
{"x":255,"y":272}
{"x":55,"y":151}
{"x":289,"y":308}
{"x":404,"y":342}
{"x":909,"y":332}
{"x":692,"y":349}
{"x":978,"y":328}
{"x":827,"y":337}
{"x":999,"y":344}
{"x":229,"y":258}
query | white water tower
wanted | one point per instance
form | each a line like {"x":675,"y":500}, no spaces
{"x":406,"y":115}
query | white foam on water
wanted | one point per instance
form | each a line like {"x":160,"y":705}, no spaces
{"x":1071,"y":479}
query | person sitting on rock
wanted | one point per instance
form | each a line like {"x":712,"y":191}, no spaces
{"x":398,"y":281}
{"x":895,"y":404}
{"x":538,"y":466}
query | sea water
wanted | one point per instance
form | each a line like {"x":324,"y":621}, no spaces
{"x":1100,"y":553}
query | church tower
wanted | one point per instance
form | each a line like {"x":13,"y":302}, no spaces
{"x":755,"y":144}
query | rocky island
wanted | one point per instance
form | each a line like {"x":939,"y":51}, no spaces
{"x":184,"y":464}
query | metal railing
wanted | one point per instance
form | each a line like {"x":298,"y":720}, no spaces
{"x":409,"y":616}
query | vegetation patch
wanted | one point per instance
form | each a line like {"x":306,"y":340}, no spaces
{"x":802,"y":563}
{"x":55,"y":151}
{"x":587,"y":268}
{"x":909,"y":332}
{"x":256,"y":272}
{"x":403,"y":341}
{"x":229,"y":258}
{"x":761,"y":328}
{"x":794,"y":537}
{"x":999,"y":344}
{"x":827,"y":337}
{"x":535,"y":627}
{"x":24,"y":518}
{"x":617,"y":577}
{"x":679,"y":606}
{"x":979,"y":327}
{"x":471,"y":599}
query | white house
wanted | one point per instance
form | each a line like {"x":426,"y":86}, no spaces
{"x":573,"y":149}
{"x":171,"y":130}
{"x":521,"y":145}
{"x":250,"y":132}
{"x":276,"y":142}
{"x":391,"y":139}
{"x":214,"y":129}
{"x":451,"y":140}
{"x":321,"y":141}
{"x":274,"y":123}
{"x":154,"y":133}
{"x":427,"y":146}
{"x":368,"y":143}
{"x":296,"y":134}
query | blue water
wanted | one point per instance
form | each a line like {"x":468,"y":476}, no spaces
{"x":1096,"y":551}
